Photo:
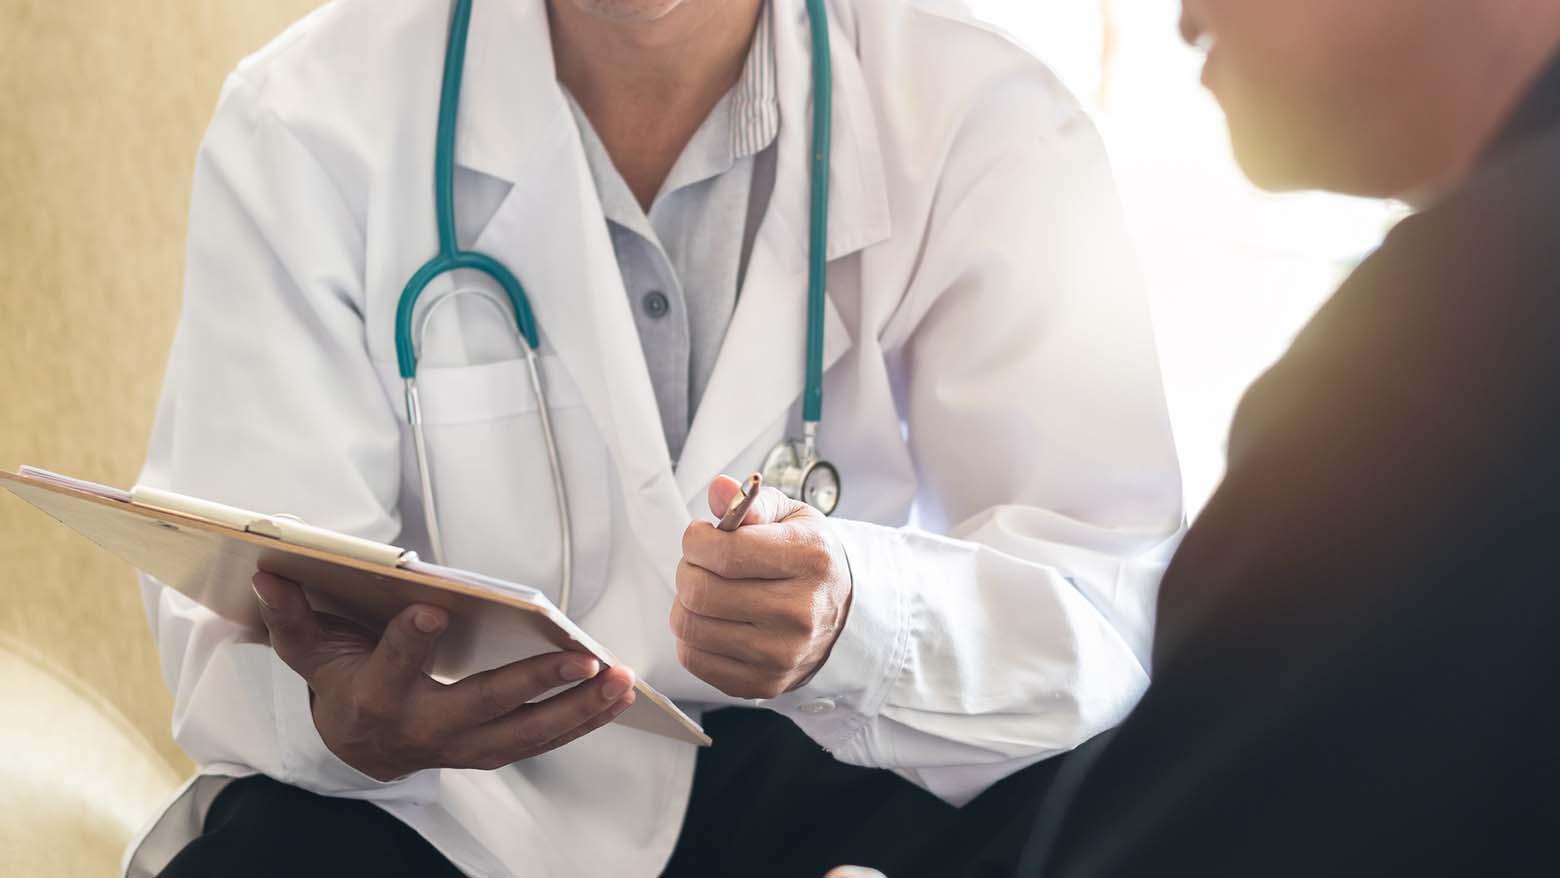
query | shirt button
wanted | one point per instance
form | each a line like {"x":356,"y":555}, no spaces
{"x":655,"y":304}
{"x":814,"y":708}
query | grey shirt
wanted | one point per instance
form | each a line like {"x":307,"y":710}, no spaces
{"x":683,"y":263}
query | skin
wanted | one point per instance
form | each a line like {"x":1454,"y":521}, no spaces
{"x":379,"y":712}
{"x":1370,"y":97}
{"x":647,"y":73}
{"x":759,"y":609}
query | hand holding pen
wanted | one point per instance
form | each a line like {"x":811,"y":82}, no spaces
{"x":763,"y":595}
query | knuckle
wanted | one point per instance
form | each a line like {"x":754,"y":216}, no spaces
{"x":717,"y":559}
{"x":695,"y":598}
{"x":275,"y":623}
{"x":813,"y":552}
{"x":771,"y":687}
{"x":691,"y":659}
{"x":490,"y":697}
{"x":290,"y":655}
{"x":682,"y":622}
{"x":797,"y":616}
{"x":820,"y":561}
{"x":421,"y":735}
{"x":529,"y":739}
{"x":687,"y":577}
{"x":399,"y":646}
{"x":780,"y":657}
{"x":289,"y":643}
{"x":584,"y":728}
{"x":819,"y":611}
{"x":580,"y":710}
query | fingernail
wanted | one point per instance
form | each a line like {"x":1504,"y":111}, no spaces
{"x":579,"y":669}
{"x":614,"y":688}
{"x":427,"y":621}
{"x":260,"y":597}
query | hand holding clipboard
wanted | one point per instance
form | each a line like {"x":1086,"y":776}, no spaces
{"x":210,"y":553}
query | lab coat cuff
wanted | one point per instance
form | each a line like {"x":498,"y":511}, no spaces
{"x":309,"y":764}
{"x":848,"y":691}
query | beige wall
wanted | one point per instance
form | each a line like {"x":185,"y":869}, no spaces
{"x":102,"y":103}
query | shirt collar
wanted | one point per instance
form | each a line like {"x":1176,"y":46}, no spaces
{"x":514,"y":118}
{"x":755,"y":102}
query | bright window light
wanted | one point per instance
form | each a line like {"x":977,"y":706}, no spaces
{"x":1234,"y":272}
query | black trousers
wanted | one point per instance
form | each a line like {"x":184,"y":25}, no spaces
{"x":766,"y":801}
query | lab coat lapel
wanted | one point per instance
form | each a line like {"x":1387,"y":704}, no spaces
{"x":759,"y":373}
{"x":550,"y":230}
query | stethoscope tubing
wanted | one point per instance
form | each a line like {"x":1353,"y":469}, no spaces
{"x":818,"y":219}
{"x":451,"y":258}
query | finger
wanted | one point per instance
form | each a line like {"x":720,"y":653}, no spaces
{"x":739,"y":641}
{"x":403,"y":651}
{"x":765,"y":551}
{"x":484,"y":697}
{"x":723,"y":490}
{"x":737,"y":679}
{"x":770,"y":507}
{"x":295,"y":633}
{"x":590,"y":725}
{"x":767,"y":603}
{"x":528,"y":730}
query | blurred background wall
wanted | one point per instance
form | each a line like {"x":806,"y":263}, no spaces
{"x":102,"y":104}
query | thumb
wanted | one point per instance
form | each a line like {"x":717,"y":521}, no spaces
{"x":722,"y":491}
{"x":290,"y":620}
{"x":770,"y":507}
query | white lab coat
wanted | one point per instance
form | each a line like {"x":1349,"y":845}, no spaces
{"x":991,"y":368}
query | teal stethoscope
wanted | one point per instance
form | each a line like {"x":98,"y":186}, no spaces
{"x":794,"y":466}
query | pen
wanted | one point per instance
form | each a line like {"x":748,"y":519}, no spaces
{"x":741,"y":503}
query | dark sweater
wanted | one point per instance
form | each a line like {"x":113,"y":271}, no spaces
{"x":1358,"y":663}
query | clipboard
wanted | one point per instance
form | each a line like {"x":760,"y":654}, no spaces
{"x":209,"y":552}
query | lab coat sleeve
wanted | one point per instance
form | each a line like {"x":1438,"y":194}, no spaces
{"x":270,"y":403}
{"x":1019,"y":623}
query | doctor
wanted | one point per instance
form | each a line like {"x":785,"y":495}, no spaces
{"x":643,"y":167}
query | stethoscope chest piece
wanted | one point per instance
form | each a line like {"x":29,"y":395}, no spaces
{"x":795,"y":468}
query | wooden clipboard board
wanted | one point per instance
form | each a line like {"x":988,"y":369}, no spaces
{"x":490,"y":625}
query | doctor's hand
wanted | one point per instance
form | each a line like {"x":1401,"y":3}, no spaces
{"x":380,"y":713}
{"x":759,"y":609}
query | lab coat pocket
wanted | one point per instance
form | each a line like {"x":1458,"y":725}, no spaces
{"x":492,"y":482}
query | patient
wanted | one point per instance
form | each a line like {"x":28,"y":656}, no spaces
{"x":1357,"y":668}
